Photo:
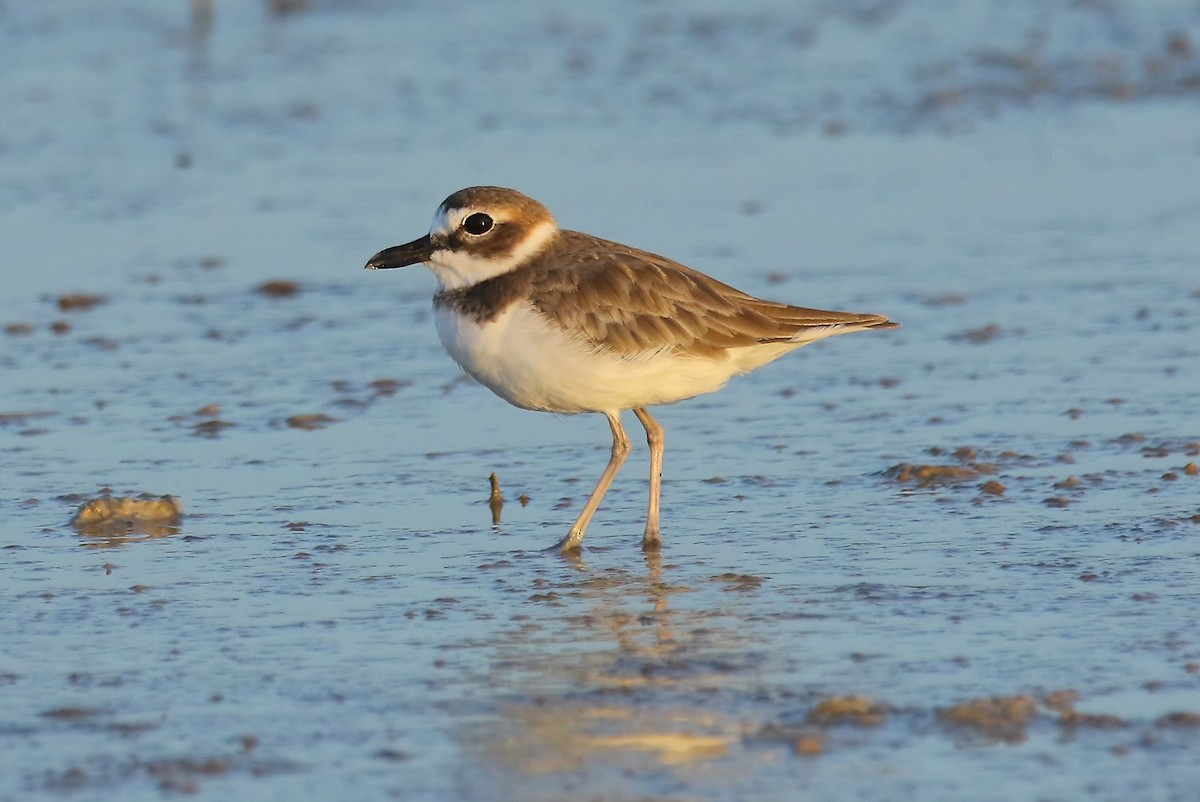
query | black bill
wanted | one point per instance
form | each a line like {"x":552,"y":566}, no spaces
{"x":419,"y":250}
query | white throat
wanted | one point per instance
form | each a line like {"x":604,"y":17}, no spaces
{"x":462,"y":268}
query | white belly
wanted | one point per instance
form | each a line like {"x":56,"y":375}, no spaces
{"x":535,"y":365}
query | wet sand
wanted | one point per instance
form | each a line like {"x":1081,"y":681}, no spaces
{"x":953,"y":561}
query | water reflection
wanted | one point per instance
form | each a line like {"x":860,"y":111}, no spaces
{"x":629,"y":681}
{"x":138,"y":534}
{"x":199,"y":36}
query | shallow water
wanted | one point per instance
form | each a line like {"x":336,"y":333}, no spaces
{"x":336,"y":615}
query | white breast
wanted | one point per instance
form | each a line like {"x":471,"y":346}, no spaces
{"x":535,"y":365}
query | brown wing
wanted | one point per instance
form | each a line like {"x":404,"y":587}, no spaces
{"x":639,"y":301}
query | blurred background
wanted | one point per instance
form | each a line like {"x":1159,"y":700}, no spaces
{"x":954,"y":561}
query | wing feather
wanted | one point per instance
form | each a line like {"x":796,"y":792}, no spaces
{"x":645,"y":303}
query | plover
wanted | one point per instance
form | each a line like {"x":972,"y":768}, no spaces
{"x":559,"y":321}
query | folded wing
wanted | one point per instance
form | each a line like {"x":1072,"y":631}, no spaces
{"x":641,"y":302}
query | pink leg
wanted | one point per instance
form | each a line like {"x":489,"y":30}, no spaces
{"x":620,"y":450}
{"x":652,"y":539}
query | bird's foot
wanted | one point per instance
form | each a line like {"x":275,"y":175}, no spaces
{"x":652,"y":540}
{"x":569,"y":546}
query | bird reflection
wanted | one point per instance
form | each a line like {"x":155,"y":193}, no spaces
{"x":627,"y":688}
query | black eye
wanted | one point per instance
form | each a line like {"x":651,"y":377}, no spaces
{"x":478,"y":223}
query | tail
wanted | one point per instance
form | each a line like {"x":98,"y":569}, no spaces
{"x":877,"y":322}
{"x":805,"y":325}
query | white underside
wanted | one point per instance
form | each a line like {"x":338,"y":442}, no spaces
{"x":535,"y":365}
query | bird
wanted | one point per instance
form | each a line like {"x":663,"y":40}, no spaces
{"x":555,"y":320}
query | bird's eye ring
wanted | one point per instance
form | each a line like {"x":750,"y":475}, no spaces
{"x":477,"y":223}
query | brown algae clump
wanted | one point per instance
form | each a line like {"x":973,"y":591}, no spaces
{"x":80,"y":301}
{"x":929,"y":475}
{"x":109,"y":515}
{"x":279,"y":288}
{"x":310,"y":422}
{"x":1003,"y":718}
{"x":859,"y":710}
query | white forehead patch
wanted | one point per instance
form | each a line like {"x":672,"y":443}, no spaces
{"x":446,"y":220}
